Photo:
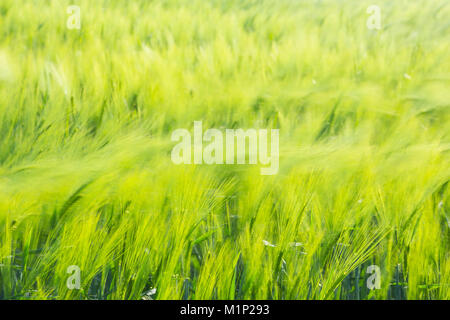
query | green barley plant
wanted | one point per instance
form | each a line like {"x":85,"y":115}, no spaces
{"x":86,"y":177}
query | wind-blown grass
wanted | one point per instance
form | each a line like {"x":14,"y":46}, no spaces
{"x":86,"y":177}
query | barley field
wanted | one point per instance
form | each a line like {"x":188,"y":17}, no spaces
{"x":93,"y":207}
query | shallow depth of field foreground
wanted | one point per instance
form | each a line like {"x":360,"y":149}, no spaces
{"x":359,"y":208}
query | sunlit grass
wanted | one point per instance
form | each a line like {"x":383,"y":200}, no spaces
{"x":86,"y":177}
